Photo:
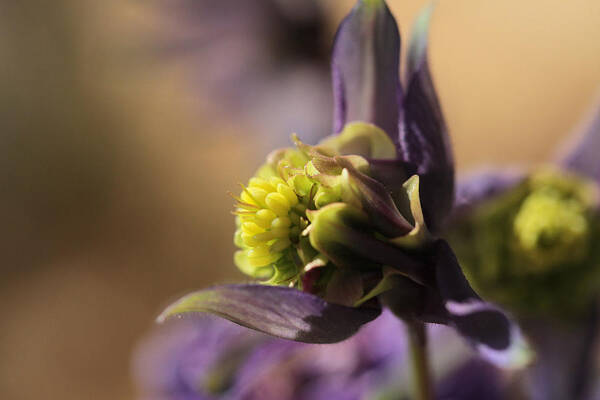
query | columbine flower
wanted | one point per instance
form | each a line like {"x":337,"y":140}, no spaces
{"x":530,"y":241}
{"x":338,"y":229}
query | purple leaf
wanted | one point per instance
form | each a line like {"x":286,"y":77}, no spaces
{"x":424,"y":141}
{"x":365,"y":68}
{"x":278,"y":311}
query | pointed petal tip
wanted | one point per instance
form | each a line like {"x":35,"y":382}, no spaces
{"x":365,"y":66}
{"x":417,"y":52}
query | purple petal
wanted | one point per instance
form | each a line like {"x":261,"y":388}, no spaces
{"x":278,"y":311}
{"x":483,"y":185}
{"x":365,"y":67}
{"x":424,"y":140}
{"x":474,"y":380}
{"x":583,"y":154}
{"x":486,"y":326}
{"x":176,"y":360}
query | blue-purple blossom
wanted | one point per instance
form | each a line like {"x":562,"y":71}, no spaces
{"x":212,"y":359}
{"x":339,"y":230}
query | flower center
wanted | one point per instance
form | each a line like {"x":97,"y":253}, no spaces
{"x":551,"y":228}
{"x":271,"y":219}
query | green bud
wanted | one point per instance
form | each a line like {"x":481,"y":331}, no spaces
{"x":551,"y":230}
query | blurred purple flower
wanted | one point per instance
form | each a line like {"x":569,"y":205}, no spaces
{"x":552,"y":282}
{"x":255,"y":59}
{"x":211,"y":359}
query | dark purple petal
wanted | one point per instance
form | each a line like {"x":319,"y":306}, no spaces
{"x":583,"y":154}
{"x":365,"y":68}
{"x":446,"y":298}
{"x":476,"y":188}
{"x":486,"y":326}
{"x":424,"y":141}
{"x":278,"y":311}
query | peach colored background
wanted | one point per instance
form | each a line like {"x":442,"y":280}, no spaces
{"x":116,"y":193}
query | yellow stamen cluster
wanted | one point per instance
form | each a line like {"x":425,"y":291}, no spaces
{"x":269,"y":219}
{"x":551,"y":229}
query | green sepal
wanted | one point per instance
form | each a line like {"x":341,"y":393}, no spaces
{"x":388,"y":282}
{"x":411,"y":208}
{"x":336,"y":230}
{"x":240,"y":259}
{"x":285,"y":270}
{"x":363,"y":139}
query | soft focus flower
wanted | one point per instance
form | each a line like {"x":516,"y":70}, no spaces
{"x":529,"y":240}
{"x":338,"y":229}
{"x":210,"y":359}
{"x":252,"y":59}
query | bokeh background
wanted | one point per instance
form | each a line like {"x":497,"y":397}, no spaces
{"x":125,"y":123}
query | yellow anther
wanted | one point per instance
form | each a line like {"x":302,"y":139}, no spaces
{"x":288,"y":193}
{"x":263,"y":261}
{"x":263,"y":237}
{"x":257,"y":194}
{"x":265,"y":217}
{"x":262,"y":184}
{"x":259,"y":251}
{"x":247,"y":200}
{"x":251,"y":228}
{"x":278,"y":203}
{"x":280,"y":245}
{"x":249,"y":240}
{"x":275,"y":181}
{"x":281,"y":222}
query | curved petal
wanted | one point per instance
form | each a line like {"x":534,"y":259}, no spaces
{"x":487,"y":327}
{"x":424,"y":141}
{"x":278,"y":311}
{"x":582,"y":156}
{"x":365,"y":67}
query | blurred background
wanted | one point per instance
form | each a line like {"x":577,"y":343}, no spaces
{"x":125,"y":123}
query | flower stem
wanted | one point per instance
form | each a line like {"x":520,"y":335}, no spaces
{"x":420,"y":360}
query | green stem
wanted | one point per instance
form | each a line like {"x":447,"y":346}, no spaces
{"x":420,"y":360}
